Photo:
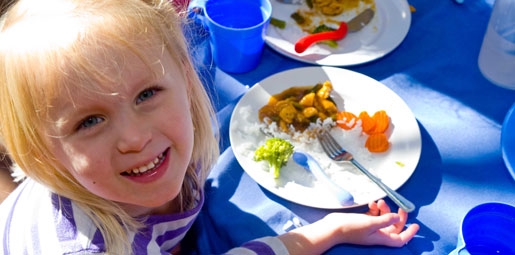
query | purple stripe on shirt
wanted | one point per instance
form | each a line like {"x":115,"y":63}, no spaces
{"x":169,"y":235}
{"x":97,"y":243}
{"x":64,"y":221}
{"x":67,"y":229}
{"x":259,"y":248}
{"x":156,"y":219}
{"x":142,"y":239}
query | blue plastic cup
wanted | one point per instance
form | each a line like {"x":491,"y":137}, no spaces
{"x":487,"y":229}
{"x":237,"y":29}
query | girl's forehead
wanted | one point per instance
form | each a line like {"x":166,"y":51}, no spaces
{"x":113,"y":76}
{"x":112,"y":70}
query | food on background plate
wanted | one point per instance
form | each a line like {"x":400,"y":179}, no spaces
{"x":317,"y":16}
{"x":328,"y":13}
{"x":336,"y":7}
{"x":278,"y":23}
{"x":276,"y":152}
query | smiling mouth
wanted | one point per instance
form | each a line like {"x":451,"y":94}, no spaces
{"x":148,"y":168}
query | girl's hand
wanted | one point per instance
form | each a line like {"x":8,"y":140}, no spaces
{"x":379,"y":226}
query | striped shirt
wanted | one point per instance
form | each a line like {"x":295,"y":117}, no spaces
{"x":34,"y":220}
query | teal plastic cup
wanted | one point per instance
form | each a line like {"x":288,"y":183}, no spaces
{"x":487,"y":229}
{"x":237,"y":29}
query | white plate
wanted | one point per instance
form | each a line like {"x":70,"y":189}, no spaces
{"x":382,"y":35}
{"x":508,"y":140}
{"x":352,"y":92}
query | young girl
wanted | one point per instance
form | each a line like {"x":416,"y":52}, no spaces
{"x":102,"y":111}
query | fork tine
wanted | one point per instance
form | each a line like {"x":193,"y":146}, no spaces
{"x":334,"y":144}
{"x":329,"y":145}
{"x":324,"y":144}
{"x":332,"y":148}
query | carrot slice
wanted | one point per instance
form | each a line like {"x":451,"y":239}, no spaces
{"x":346,"y":120}
{"x":377,"y":143}
{"x":367,"y":123}
{"x":382,"y":121}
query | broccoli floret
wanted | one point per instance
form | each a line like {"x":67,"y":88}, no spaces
{"x":276,"y":151}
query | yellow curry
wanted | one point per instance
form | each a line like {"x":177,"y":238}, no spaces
{"x":297,"y":107}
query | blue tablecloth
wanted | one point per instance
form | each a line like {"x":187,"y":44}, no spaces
{"x":459,"y":112}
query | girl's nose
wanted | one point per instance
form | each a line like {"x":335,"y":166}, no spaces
{"x":133,"y":135}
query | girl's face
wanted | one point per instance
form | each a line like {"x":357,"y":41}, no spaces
{"x":133,"y":143}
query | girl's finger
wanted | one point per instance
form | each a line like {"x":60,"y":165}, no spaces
{"x":385,"y":221}
{"x":403,"y":215}
{"x":409,"y":233}
{"x":397,"y":239}
{"x":373,"y":209}
{"x":383,"y":207}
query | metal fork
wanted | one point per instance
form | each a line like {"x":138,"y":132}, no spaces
{"x":337,"y":153}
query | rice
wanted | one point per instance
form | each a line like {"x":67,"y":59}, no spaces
{"x":249,"y":133}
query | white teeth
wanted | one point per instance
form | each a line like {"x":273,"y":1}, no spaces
{"x":142,"y":169}
{"x":150,"y":165}
{"x":147,"y":167}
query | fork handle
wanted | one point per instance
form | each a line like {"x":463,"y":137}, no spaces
{"x":401,"y":201}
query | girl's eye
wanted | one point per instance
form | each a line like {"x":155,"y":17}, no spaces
{"x":146,"y":94}
{"x":90,"y":122}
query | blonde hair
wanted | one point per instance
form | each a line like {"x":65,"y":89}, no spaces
{"x":46,"y":48}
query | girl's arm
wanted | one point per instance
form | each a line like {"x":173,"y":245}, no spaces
{"x":379,"y":226}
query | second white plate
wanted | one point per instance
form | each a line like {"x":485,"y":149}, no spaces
{"x":382,"y":35}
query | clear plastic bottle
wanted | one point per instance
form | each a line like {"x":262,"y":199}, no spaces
{"x":497,"y":56}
